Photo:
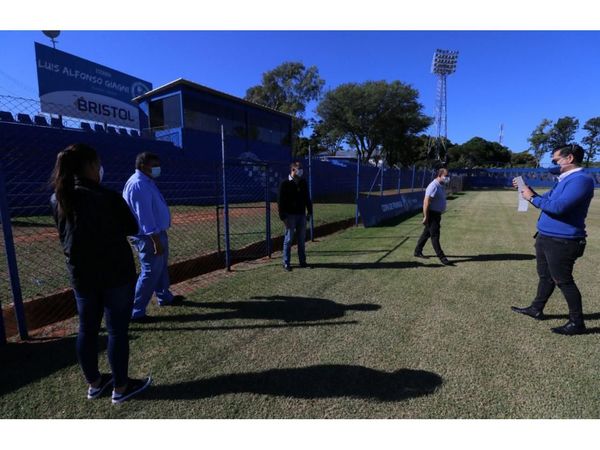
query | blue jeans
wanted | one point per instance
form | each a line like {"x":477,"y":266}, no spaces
{"x":294,"y":222}
{"x":115,"y":304}
{"x":154,"y":276}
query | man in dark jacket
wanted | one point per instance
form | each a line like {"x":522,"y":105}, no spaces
{"x":294,"y":202}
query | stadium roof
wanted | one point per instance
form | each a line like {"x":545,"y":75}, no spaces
{"x":181,"y":82}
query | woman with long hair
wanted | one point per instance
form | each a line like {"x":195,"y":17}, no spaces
{"x":93,"y":224}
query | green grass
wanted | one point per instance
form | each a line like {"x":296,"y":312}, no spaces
{"x":369,"y":332}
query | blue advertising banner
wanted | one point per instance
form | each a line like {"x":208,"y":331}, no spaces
{"x":75,"y":87}
{"x":376,"y":209}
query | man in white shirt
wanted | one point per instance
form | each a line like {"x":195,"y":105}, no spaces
{"x":434,"y":204}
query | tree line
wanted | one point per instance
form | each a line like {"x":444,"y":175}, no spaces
{"x":384,"y":120}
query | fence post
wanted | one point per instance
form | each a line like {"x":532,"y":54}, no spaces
{"x":382,"y":179}
{"x":412,"y":184}
{"x":312,"y":216}
{"x":399,"y":178}
{"x":267,"y":209}
{"x":217,"y":208}
{"x":225,"y":203}
{"x":423,"y":180}
{"x":11,"y":261}
{"x":357,"y":185}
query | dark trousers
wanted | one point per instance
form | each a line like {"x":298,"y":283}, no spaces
{"x":555,"y":260}
{"x":431,"y":230}
{"x":116,"y":305}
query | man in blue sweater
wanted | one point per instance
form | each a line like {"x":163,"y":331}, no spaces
{"x":560,"y":237}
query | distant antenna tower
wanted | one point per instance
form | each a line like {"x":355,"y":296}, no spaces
{"x":501,"y":137}
{"x":443,"y":64}
{"x":52,"y":35}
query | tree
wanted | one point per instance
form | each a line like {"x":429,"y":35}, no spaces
{"x":477,"y":152}
{"x":288,"y":88}
{"x":539,"y":140}
{"x":523,"y":159}
{"x":592,"y":140}
{"x":374,"y":115}
{"x":563,"y":132}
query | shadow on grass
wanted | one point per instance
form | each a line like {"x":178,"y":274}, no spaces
{"x":245,"y":327}
{"x":323,"y":381}
{"x":492,"y":257}
{"x":375,"y":265}
{"x":27,"y":362}
{"x":592,"y":316}
{"x":288,"y":309}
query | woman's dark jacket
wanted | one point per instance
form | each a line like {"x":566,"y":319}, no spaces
{"x":94,"y":238}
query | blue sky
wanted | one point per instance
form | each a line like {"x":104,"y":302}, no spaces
{"x":516,"y":78}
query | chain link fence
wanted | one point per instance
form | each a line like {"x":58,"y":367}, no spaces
{"x":222,"y":212}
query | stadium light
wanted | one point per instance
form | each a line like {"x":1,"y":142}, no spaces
{"x":442,"y":65}
{"x":52,"y":35}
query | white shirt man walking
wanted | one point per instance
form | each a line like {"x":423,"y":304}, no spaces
{"x":434,"y":204}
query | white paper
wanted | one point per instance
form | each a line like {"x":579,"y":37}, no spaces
{"x":523,"y":204}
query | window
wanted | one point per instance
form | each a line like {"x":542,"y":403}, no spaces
{"x":166,"y":113}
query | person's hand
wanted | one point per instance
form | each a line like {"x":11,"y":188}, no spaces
{"x":158,"y":247}
{"x":527,"y":193}
{"x":425,"y":220}
{"x":514,"y":183}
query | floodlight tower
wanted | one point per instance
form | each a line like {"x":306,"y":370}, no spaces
{"x":443,"y":64}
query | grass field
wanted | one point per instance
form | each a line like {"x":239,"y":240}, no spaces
{"x":368,"y":332}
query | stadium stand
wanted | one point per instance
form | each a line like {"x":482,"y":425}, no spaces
{"x":111,"y":130}
{"x":24,"y":118}
{"x":6,"y":116}
{"x":86,"y":126}
{"x":99,"y":128}
{"x":123,"y":132}
{"x":56,"y":122}
{"x":40,"y":121}
{"x":135,"y":133}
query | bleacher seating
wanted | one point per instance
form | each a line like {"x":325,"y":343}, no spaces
{"x":40,"y":121}
{"x":86,"y":126}
{"x":6,"y":116}
{"x":26,"y":147}
{"x":135,"y":133}
{"x":123,"y":132}
{"x":24,"y":118}
{"x":99,"y":128}
{"x":56,"y":122}
{"x":111,"y":129}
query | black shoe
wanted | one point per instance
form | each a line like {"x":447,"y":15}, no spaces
{"x":105,"y":381}
{"x":304,"y":265}
{"x":445,"y":261}
{"x":570,"y":329}
{"x":419,"y":255}
{"x":177,"y":300}
{"x":134,"y":387}
{"x":529,"y":311}
{"x":287,"y":267}
{"x":142,"y":319}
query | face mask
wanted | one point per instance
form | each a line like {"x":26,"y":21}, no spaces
{"x":101,"y":174}
{"x":554,"y":170}
{"x":155,"y":172}
{"x":299,"y":173}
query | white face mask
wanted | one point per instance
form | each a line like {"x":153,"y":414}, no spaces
{"x":299,"y":173}
{"x":156,"y":172}
{"x":101,"y":174}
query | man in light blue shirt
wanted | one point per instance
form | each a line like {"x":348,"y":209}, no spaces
{"x":152,"y":244}
{"x":434,"y":204}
